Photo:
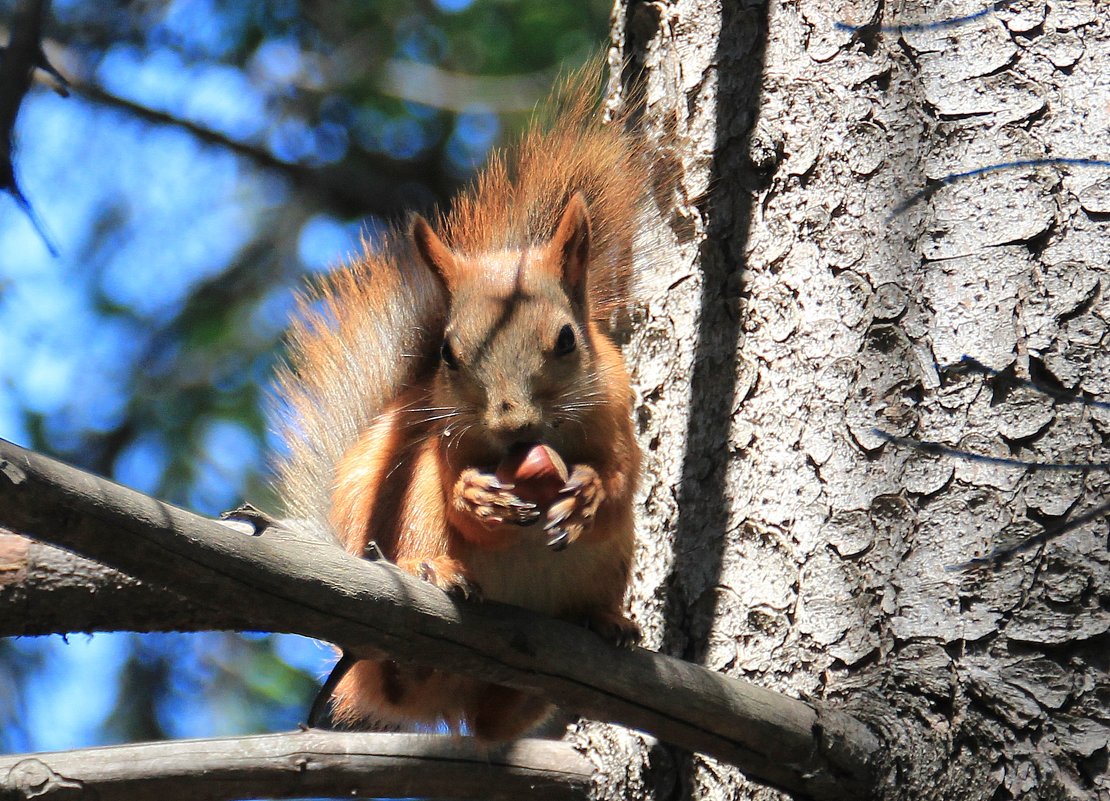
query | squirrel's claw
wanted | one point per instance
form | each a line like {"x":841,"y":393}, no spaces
{"x":491,"y":501}
{"x":577,"y":480}
{"x":444,"y":572}
{"x":559,"y":511}
{"x":560,"y":536}
{"x":614,"y":628}
{"x":526,"y":517}
{"x":573,"y":514}
{"x":559,"y":539}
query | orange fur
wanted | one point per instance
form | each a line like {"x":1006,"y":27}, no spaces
{"x":393,"y":443}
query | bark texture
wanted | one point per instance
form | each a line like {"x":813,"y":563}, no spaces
{"x":811,"y":294}
{"x":46,"y":590}
{"x":302,"y":764}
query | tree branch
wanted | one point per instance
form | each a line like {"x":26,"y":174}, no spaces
{"x":303,"y":764}
{"x":18,"y":62}
{"x":310,"y":587}
{"x":361,"y":184}
{"x":45,"y":590}
{"x":353,"y":188}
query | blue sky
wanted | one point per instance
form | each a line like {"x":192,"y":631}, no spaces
{"x":141,"y":215}
{"x":177,"y":213}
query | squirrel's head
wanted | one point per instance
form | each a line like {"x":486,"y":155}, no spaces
{"x":517,"y":360}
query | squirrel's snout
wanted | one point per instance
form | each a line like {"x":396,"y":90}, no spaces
{"x":513,"y":422}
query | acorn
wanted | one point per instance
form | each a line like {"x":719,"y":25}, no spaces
{"x":537,"y":473}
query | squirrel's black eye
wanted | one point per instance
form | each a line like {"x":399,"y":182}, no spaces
{"x":447,"y":353}
{"x":566,"y":341}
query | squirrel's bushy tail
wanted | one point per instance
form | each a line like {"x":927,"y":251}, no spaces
{"x":362,"y":334}
{"x":373,"y":327}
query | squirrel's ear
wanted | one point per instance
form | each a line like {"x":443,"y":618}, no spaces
{"x":432,"y":250}
{"x":571,"y":245}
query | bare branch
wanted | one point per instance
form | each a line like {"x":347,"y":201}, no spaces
{"x":353,"y":188}
{"x":21,"y":58}
{"x":45,"y":590}
{"x":306,"y":586}
{"x":303,"y":764}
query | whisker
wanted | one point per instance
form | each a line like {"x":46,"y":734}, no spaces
{"x":457,"y":436}
{"x":578,"y":405}
{"x":397,"y":465}
{"x":434,"y":418}
{"x":579,"y":395}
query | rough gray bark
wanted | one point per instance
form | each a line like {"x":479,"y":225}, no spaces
{"x":303,"y":764}
{"x":801,"y":308}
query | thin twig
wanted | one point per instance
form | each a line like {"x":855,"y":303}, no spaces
{"x":353,"y":188}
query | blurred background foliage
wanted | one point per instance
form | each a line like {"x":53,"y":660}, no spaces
{"x":213,"y":154}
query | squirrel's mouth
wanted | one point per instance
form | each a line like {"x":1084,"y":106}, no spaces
{"x":511,"y":440}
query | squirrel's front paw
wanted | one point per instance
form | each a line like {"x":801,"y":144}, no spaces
{"x":573,"y":514}
{"x":444,"y":572}
{"x":483,"y":496}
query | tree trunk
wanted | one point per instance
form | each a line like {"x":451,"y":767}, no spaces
{"x":801,"y":294}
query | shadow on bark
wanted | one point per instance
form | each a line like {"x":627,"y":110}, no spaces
{"x":704,"y":498}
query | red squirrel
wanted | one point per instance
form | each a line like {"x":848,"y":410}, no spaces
{"x":435,"y":357}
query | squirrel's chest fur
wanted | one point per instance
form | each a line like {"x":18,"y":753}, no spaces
{"x":557,"y":583}
{"x":396,"y":496}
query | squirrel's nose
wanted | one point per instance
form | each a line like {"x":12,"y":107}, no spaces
{"x":514,"y":422}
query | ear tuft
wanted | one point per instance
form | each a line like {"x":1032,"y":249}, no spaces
{"x":432,"y":250}
{"x":572,"y":246}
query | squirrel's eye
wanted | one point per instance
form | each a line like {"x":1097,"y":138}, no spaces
{"x":566,"y":341}
{"x":447,"y":353}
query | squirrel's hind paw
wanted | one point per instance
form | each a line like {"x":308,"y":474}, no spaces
{"x":615,"y":628}
{"x":444,"y":572}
